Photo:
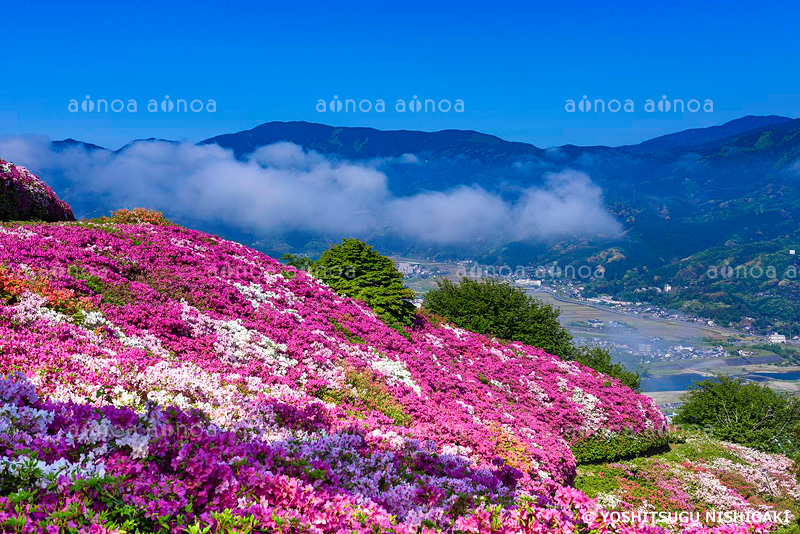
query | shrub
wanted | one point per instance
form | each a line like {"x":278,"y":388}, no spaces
{"x":599,"y":448}
{"x":746,"y":413}
{"x":304,"y":263}
{"x":137,"y":216}
{"x":501,"y":310}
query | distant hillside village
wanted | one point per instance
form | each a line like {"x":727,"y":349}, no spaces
{"x":561,"y":284}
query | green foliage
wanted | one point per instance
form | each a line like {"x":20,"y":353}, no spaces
{"x":304,"y":263}
{"x":784,"y":350}
{"x":599,"y":359}
{"x":355,"y":269}
{"x":351,"y":337}
{"x":746,"y":413}
{"x":363,"y":389}
{"x":499,"y":309}
{"x":225,"y":523}
{"x":598,"y":448}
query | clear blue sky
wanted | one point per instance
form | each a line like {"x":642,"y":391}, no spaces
{"x":513,"y":64}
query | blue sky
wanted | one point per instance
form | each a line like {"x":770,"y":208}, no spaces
{"x":514,"y":65}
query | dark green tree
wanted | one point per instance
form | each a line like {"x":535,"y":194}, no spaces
{"x":355,"y":269}
{"x":743,"y":412}
{"x":501,"y":310}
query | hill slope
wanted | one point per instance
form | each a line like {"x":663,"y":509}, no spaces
{"x":23,"y":196}
{"x":169,"y":378}
{"x":141,"y":315}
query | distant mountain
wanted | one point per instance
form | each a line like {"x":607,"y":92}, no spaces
{"x":700,"y":136}
{"x":71,"y":143}
{"x":366,"y":143}
{"x":148,"y":140}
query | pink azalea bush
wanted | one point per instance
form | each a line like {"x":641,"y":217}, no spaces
{"x":162,"y":378}
{"x":701,"y":477}
{"x":24,"y":196}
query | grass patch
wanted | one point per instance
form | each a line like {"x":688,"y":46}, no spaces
{"x":116,"y":295}
{"x":351,"y":337}
{"x":364,"y":390}
{"x":598,"y":478}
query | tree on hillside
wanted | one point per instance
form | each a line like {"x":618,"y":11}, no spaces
{"x":744,"y":412}
{"x":501,"y":310}
{"x":355,"y":269}
{"x":599,"y":359}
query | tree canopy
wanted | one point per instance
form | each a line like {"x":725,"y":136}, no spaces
{"x":599,"y":359}
{"x":501,"y":310}
{"x":355,"y":269}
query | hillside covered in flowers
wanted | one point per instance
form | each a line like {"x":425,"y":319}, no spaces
{"x":23,"y":196}
{"x":159,"y":378}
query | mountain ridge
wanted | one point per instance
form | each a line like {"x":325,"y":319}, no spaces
{"x":700,"y":136}
{"x":276,"y":131}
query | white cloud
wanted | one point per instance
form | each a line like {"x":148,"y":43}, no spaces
{"x":568,"y":204}
{"x":283,"y":187}
{"x":458,"y":215}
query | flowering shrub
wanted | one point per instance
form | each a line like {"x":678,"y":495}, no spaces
{"x":136,"y":216}
{"x":24,"y":197}
{"x":162,"y":378}
{"x":89,"y":468}
{"x":700,"y":477}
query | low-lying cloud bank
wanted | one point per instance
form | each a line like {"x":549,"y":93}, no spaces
{"x":283,"y":187}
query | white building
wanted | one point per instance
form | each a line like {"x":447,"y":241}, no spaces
{"x":776,"y":338}
{"x":407,"y":268}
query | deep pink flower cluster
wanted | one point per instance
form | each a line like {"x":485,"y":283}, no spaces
{"x":102,"y":469}
{"x":24,"y":196}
